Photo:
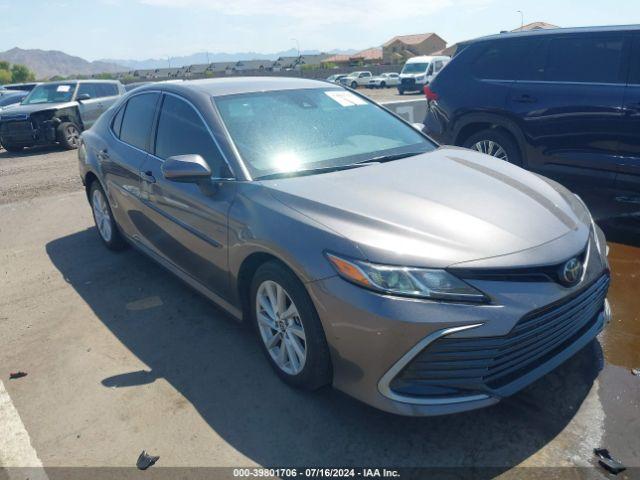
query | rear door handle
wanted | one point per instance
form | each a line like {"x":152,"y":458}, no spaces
{"x":525,"y":98}
{"x":147,"y":176}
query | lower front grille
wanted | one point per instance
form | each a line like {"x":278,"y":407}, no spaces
{"x":492,"y":364}
{"x":16,"y":131}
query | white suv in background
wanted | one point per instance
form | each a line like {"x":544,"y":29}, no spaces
{"x":419,"y":71}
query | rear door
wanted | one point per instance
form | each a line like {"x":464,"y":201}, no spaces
{"x":92,"y":108}
{"x":628,"y":178}
{"x":109,"y":94}
{"x":122,"y":160}
{"x":184,"y":222}
{"x":568,"y":102}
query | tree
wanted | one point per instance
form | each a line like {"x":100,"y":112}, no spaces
{"x":20,"y":73}
{"x":5,"y":76}
{"x":57,"y":78}
{"x":5,"y":65}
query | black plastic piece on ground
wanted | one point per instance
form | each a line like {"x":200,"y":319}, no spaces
{"x":14,"y":375}
{"x":608,"y":463}
{"x":145,"y":460}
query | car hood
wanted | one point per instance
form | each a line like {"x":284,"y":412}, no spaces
{"x":441,"y":208}
{"x":39,"y":107}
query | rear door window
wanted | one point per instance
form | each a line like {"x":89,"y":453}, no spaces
{"x":586,"y":59}
{"x":137,"y":120}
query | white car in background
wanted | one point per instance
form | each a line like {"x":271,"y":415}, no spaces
{"x":385,"y":80}
{"x":356,"y":79}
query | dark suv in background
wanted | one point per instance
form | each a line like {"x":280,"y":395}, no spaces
{"x":562,"y":102}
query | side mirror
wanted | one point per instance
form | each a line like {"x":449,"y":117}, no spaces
{"x":186,"y":168}
{"x":418,"y":126}
{"x":83,"y":96}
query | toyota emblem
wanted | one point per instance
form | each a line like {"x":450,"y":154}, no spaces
{"x":571,"y":272}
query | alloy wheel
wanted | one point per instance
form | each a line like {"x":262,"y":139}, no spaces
{"x":101,"y":215}
{"x":492,"y":148}
{"x":280,"y":327}
{"x":73,"y":135}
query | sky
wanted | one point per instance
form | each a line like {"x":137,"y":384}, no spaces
{"x":141,"y":29}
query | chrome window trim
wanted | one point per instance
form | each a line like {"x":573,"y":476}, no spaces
{"x":385,"y":381}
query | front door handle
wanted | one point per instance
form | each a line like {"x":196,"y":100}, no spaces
{"x":525,"y":98}
{"x":147,"y":176}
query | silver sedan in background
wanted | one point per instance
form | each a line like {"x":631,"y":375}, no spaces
{"x":419,"y":279}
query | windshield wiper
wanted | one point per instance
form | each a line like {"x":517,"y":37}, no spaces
{"x":389,"y":158}
{"x":310,"y":171}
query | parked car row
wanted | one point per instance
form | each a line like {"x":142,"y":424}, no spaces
{"x":564,"y":103}
{"x":56,"y":112}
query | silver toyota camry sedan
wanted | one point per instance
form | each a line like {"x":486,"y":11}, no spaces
{"x":419,"y":279}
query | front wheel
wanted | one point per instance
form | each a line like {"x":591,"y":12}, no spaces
{"x":495,"y":143}
{"x":288,"y":327}
{"x":69,"y":135}
{"x":354,"y":85}
{"x":103,"y":217}
{"x":400,"y":91}
{"x":383,"y":85}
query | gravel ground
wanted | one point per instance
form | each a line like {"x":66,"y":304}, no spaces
{"x":37,"y":172}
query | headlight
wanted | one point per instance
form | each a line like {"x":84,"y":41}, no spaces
{"x":405,"y":281}
{"x":420,"y":78}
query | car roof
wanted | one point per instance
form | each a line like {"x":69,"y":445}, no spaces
{"x":215,"y":87}
{"x":555,"y":31}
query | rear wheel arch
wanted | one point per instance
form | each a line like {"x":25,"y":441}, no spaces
{"x":471,"y":125}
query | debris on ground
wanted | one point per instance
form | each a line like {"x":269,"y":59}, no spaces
{"x":145,"y":460}
{"x":14,"y":375}
{"x":608,"y":462}
{"x":636,"y":371}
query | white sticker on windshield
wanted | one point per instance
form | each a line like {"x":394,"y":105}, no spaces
{"x":346,"y":99}
{"x":63,"y":88}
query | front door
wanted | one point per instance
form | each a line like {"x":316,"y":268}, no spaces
{"x":91,"y":108}
{"x":122,"y":159}
{"x":186,"y":223}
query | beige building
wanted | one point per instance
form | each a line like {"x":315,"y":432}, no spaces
{"x":402,"y":47}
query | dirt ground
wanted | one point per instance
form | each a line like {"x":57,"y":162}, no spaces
{"x":121,"y":357}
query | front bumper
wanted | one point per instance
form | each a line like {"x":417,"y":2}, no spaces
{"x":374,"y":339}
{"x":25,"y":132}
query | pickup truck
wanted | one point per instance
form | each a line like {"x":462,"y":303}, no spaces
{"x":57,"y":113}
{"x":355,"y":79}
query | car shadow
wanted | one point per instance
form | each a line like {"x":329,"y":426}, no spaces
{"x":218,"y":366}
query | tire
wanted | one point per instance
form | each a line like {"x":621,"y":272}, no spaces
{"x":495,"y":143}
{"x":383,"y":85}
{"x":354,"y":85}
{"x":69,"y":135}
{"x":400,"y":91}
{"x":106,"y":226}
{"x":13,"y":148}
{"x":310,"y":371}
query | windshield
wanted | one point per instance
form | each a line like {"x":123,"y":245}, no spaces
{"x":415,"y":67}
{"x":297,"y":130}
{"x":50,"y":93}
